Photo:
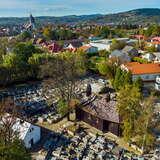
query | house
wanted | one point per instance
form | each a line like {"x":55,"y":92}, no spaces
{"x":157,"y":84}
{"x":157,"y":57}
{"x":101,"y":113}
{"x":154,"y":43}
{"x":94,"y":38}
{"x":150,"y":57}
{"x":155,"y":39}
{"x":89,"y":49}
{"x":73,"y":45}
{"x":139,"y":37}
{"x":120,"y":55}
{"x":147,"y":72}
{"x":103,"y":44}
{"x":29,"y":134}
{"x":54,"y":47}
{"x":130,"y":51}
{"x":131,"y":42}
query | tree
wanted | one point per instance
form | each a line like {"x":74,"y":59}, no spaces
{"x":138,"y":117}
{"x":64,"y":72}
{"x":108,"y":68}
{"x":18,"y":68}
{"x":37,"y":60}
{"x":117,"y":45}
{"x":145,"y":124}
{"x":140,"y":60}
{"x":11,"y":147}
{"x":25,"y":36}
{"x":62,"y":107}
{"x":128,"y":107}
{"x":151,"y":48}
{"x":138,"y":83}
{"x":25,"y":50}
{"x":104,"y":53}
{"x":103,"y":68}
{"x":121,"y":79}
{"x":153,"y":30}
{"x":118,"y":80}
{"x":104,"y":32}
{"x":48,"y":33}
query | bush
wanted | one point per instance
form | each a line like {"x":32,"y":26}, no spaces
{"x":140,"y":60}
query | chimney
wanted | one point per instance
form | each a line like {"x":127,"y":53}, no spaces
{"x":88,"y":90}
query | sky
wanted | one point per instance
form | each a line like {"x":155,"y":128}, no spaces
{"x":22,"y":8}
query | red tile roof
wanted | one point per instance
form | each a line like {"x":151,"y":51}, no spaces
{"x":137,"y":68}
{"x":139,"y":36}
{"x":156,"y":39}
{"x":84,"y":48}
{"x":155,"y":42}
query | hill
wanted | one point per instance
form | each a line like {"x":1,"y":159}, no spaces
{"x":137,"y":16}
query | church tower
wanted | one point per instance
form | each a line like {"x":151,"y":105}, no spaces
{"x":32,"y":22}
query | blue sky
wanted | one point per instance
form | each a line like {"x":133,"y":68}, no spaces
{"x":20,"y":8}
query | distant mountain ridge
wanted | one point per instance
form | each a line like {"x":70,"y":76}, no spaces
{"x":136,"y":16}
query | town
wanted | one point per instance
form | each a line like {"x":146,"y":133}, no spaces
{"x":79,"y":91}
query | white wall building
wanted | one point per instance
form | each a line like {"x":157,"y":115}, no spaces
{"x":27,"y":132}
{"x":147,"y":72}
{"x":157,"y":84}
{"x":89,"y":49}
{"x":105,"y":44}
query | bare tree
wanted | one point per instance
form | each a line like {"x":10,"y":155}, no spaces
{"x":7,"y":120}
{"x":11,"y":147}
{"x":64,"y":72}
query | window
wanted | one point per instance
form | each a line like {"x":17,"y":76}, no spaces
{"x":31,"y":129}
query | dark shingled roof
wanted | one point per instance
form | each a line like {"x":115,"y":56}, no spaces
{"x":103,"y":109}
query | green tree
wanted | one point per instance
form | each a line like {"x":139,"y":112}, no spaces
{"x":104,"y":32}
{"x":151,"y":48}
{"x":128,"y":107}
{"x":25,"y":36}
{"x":25,"y":50}
{"x":138,"y":83}
{"x":14,"y":150}
{"x":117,"y":45}
{"x":62,"y":107}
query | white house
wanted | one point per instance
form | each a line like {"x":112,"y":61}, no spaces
{"x":74,"y":45}
{"x":157,"y":57}
{"x":154,"y":43}
{"x":27,"y":132}
{"x":147,"y":72}
{"x":103,"y":44}
{"x":149,"y":57}
{"x":89,"y":49}
{"x":157,"y":84}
